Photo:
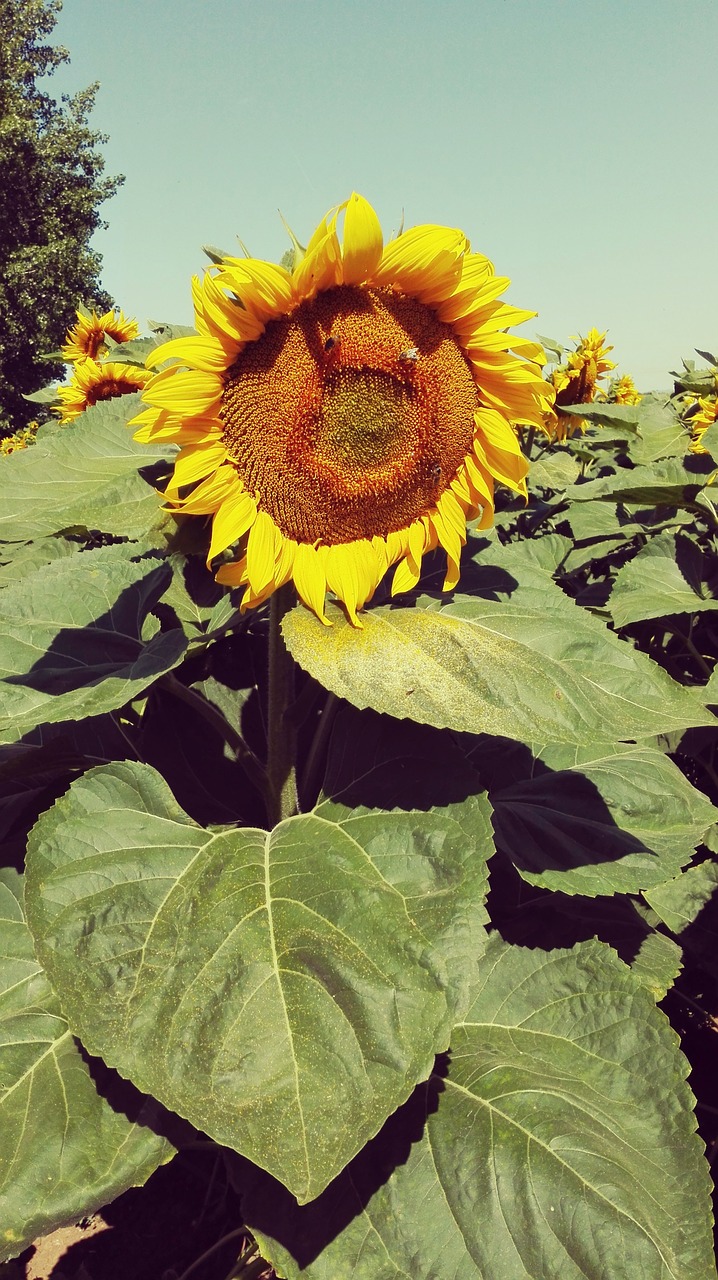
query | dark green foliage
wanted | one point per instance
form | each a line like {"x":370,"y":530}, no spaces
{"x":50,"y":197}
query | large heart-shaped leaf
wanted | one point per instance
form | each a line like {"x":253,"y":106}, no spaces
{"x":273,"y":988}
{"x":70,"y":639}
{"x":408,"y":796}
{"x":86,"y":475}
{"x":607,"y":819}
{"x":65,"y":1149}
{"x":544,"y":1148}
{"x":551,"y":674}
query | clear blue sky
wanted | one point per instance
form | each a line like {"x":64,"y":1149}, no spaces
{"x":573,"y":140}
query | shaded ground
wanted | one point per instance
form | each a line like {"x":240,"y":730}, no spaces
{"x":155,"y":1232}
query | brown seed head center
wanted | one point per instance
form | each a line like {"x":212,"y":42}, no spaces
{"x":349,"y":418}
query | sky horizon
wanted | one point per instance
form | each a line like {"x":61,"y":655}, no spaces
{"x":569,"y":140}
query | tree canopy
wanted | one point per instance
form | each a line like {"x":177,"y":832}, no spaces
{"x":49,"y":206}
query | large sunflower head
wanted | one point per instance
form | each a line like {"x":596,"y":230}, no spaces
{"x":349,"y":415}
{"x":92,"y":381}
{"x":86,"y":340}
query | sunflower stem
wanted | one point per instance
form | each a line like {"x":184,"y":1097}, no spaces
{"x":281,"y":729}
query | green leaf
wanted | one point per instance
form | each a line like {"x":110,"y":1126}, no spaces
{"x":135,"y":351}
{"x":547,"y":1147}
{"x":662,"y":433}
{"x":84,"y":475}
{"x":554,"y":471}
{"x":46,"y":395}
{"x":710,"y":690}
{"x":551,"y":675}
{"x":669,"y":575}
{"x":20,"y":558}
{"x":66,"y":1149}
{"x":681,"y":902}
{"x":624,"y":417}
{"x":595,"y":519}
{"x":70,"y":639}
{"x":272,"y":988}
{"x":709,"y":439}
{"x":408,"y":796}
{"x":597,"y":820}
{"x":672,"y":483}
{"x":167,"y":332}
{"x":657,"y":964}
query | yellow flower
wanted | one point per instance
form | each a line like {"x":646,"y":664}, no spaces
{"x":700,"y":422}
{"x":19,"y":439}
{"x":624,"y":391}
{"x":349,"y":415}
{"x":575,"y":381}
{"x":91,"y":382}
{"x":86,"y":339}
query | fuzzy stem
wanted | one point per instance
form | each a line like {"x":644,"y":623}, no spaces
{"x":281,"y":731}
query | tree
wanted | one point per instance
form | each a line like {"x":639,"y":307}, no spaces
{"x":49,"y":206}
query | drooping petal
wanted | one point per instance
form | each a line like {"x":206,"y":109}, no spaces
{"x":232,"y":519}
{"x":205,"y":499}
{"x":193,"y":463}
{"x":310,"y":579}
{"x":262,"y":548}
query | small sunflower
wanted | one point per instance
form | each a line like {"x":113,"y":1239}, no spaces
{"x":86,"y":339}
{"x":92,"y":381}
{"x":575,"y":381}
{"x":699,"y":422}
{"x":624,"y":391}
{"x":349,"y":415}
{"x":20,"y":439}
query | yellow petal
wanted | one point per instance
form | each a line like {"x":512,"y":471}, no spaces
{"x":406,"y":576}
{"x":363,"y":240}
{"x":204,"y":500}
{"x":232,"y":575}
{"x":264,"y":288}
{"x":310,"y":579}
{"x":470,"y":295}
{"x":233,"y":518}
{"x":206,"y":354}
{"x":425,"y":262}
{"x":183,"y":393}
{"x":194,"y":463}
{"x":343,"y":577}
{"x":262,"y":547}
{"x":220,"y":316}
{"x":501,"y":449}
{"x":320,"y":268}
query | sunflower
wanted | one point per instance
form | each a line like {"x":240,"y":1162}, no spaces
{"x":86,"y":339}
{"x":349,"y":415}
{"x":92,"y":381}
{"x":700,"y":421}
{"x":575,"y":381}
{"x":624,"y":391}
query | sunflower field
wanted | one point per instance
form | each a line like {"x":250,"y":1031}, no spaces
{"x":359,"y":781}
